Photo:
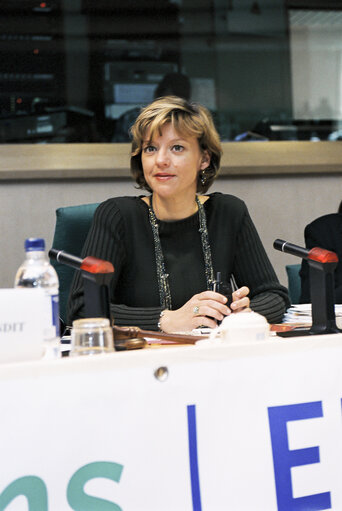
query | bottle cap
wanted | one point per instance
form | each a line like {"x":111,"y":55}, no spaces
{"x":34,"y":244}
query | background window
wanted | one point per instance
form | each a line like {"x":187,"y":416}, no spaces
{"x":79,"y":70}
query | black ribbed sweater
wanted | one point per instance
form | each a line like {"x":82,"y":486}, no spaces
{"x":121,"y":233}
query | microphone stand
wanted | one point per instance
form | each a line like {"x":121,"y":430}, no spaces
{"x":322,"y":264}
{"x":97,"y":275}
{"x":96,"y":294}
{"x":322,"y":292}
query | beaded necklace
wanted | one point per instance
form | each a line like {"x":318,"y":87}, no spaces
{"x":163,"y":277}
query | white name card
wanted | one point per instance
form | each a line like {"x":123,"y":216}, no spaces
{"x":21,"y":324}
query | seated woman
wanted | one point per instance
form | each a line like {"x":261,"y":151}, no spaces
{"x":167,"y":246}
{"x":324,"y":232}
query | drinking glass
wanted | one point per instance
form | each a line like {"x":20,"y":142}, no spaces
{"x":91,"y":336}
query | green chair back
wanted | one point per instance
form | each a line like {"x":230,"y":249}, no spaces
{"x":72,"y":226}
{"x":294,"y":283}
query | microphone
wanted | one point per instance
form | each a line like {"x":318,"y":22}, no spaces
{"x":97,"y":275}
{"x":321,"y":286}
{"x":314,"y":254}
{"x":90,"y":264}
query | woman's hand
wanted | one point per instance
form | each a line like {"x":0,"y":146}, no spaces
{"x":240,"y":301}
{"x":203,"y":309}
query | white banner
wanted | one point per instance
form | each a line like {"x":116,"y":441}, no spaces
{"x":241,"y":428}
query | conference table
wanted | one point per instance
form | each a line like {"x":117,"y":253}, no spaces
{"x":241,"y":427}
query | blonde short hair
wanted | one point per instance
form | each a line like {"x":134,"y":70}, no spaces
{"x":188,"y":119}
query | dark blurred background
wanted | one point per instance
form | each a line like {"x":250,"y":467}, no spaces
{"x":79,"y":70}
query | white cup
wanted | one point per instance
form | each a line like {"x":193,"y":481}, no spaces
{"x":91,"y":336}
{"x":240,"y":328}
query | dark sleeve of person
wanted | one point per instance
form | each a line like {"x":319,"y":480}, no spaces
{"x":106,"y":240}
{"x":253,"y":268}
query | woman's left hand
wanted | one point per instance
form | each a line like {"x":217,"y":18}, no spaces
{"x":240,"y":301}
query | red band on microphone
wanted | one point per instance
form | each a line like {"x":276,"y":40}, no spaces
{"x":95,"y":265}
{"x":322,"y":256}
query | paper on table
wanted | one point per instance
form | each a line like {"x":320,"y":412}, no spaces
{"x":301,"y":313}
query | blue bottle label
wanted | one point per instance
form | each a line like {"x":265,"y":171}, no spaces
{"x":55,"y":313}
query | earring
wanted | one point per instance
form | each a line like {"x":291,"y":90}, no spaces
{"x":203,"y":177}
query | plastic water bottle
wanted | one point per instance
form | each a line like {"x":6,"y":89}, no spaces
{"x":36,"y":271}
